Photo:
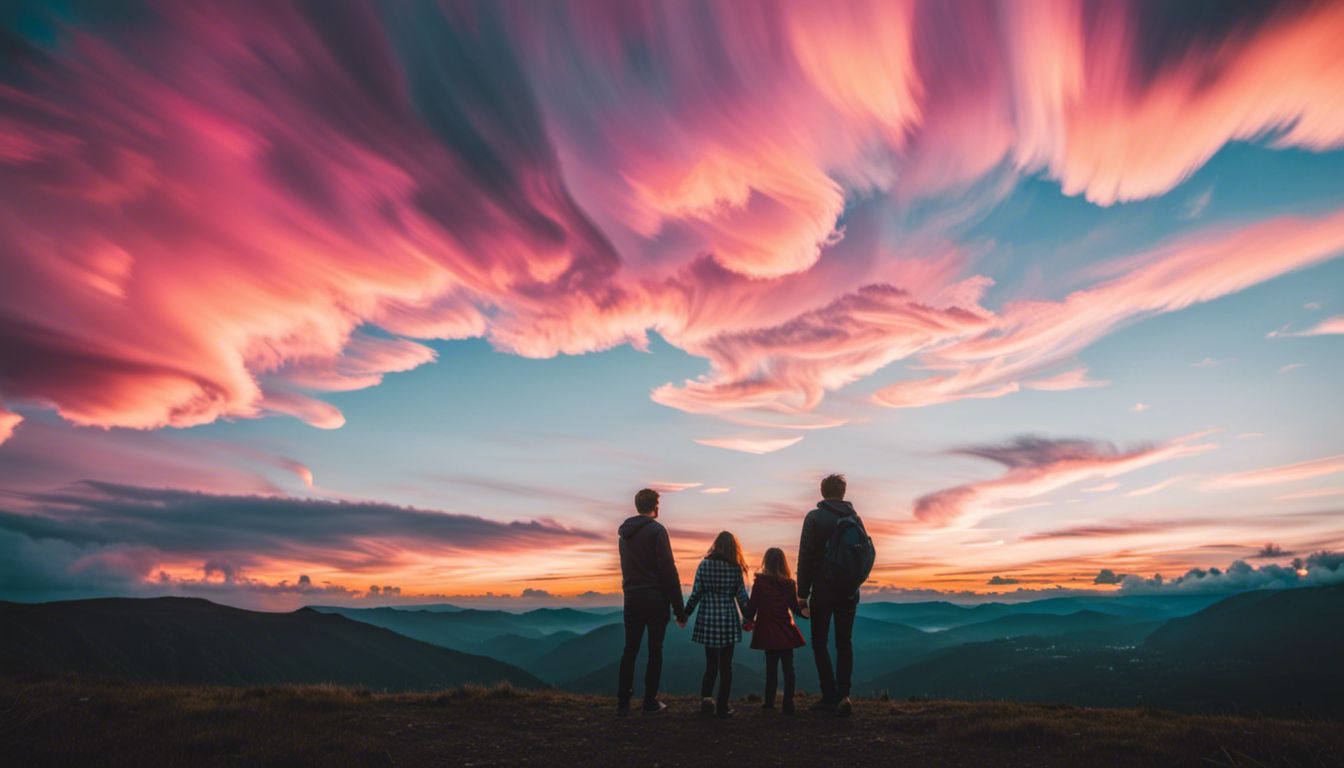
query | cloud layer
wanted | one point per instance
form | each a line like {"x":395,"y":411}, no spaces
{"x":235,"y":229}
{"x":101,"y":538}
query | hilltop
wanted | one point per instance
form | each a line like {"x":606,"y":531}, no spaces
{"x":188,"y":640}
{"x":149,"y":725}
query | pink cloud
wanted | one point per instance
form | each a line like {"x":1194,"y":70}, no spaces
{"x":9,"y":421}
{"x":751,"y":444}
{"x":1074,"y":379}
{"x":1314,"y":493}
{"x":1286,"y":473}
{"x":1030,"y":335}
{"x":233,"y":227}
{"x":1037,"y":466}
{"x":665,"y":487}
{"x":1329,"y":327}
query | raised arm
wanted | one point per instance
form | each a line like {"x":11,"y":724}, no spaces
{"x":806,"y":554}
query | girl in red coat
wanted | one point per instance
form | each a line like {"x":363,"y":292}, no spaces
{"x":774,"y":600}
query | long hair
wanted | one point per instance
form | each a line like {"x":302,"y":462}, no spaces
{"x":776,"y":564}
{"x":726,"y":548}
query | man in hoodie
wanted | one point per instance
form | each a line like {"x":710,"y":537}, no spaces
{"x":829,"y":602}
{"x":652,"y":590}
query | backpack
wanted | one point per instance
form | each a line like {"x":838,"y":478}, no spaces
{"x":849,"y":555}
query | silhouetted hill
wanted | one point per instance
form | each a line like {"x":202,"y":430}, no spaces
{"x":1266,"y":652}
{"x":196,"y":641}
{"x":468,"y":629}
{"x":1024,"y":624}
{"x":1287,"y":629}
{"x":939,"y":615}
{"x":84,"y":723}
{"x":524,"y":651}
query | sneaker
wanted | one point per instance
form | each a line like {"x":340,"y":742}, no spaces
{"x":845,"y":708}
{"x":787,"y":709}
{"x":726,"y":712}
{"x":707,"y":706}
{"x":823,"y":705}
{"x":654,"y":707}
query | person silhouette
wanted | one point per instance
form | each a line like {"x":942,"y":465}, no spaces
{"x":835,"y":556}
{"x":651,"y":589}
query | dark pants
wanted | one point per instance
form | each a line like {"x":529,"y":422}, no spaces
{"x":642,"y":614}
{"x":718,"y":663}
{"x":834,"y":685}
{"x":773,"y":660}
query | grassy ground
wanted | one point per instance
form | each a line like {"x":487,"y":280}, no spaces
{"x":72,"y":722}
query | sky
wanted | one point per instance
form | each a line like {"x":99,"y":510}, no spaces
{"x":402,"y":302}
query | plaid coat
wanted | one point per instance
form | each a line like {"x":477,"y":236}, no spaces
{"x":717,"y":585}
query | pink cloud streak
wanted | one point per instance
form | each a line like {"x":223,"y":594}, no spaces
{"x":1286,"y":473}
{"x":1038,"y":466}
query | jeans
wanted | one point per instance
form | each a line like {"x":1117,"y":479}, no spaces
{"x":834,"y":685}
{"x":773,"y":660}
{"x":642,"y":614}
{"x":718,"y":662}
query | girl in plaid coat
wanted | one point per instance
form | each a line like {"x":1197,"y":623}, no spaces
{"x":720,"y":591}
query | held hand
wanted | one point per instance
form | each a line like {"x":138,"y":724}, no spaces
{"x":681,"y":623}
{"x":747,"y":626}
{"x":804,"y":611}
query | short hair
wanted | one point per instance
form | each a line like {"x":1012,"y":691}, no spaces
{"x":646,"y":501}
{"x":833,"y":487}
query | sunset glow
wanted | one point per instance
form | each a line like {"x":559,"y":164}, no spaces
{"x":394,"y":303}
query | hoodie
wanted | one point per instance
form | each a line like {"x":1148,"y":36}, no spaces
{"x":647,"y":567}
{"x":817,"y":529}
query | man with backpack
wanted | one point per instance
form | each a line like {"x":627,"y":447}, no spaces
{"x":835,"y":557}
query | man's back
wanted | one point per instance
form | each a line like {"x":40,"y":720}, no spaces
{"x":647,"y":567}
{"x":818,"y":527}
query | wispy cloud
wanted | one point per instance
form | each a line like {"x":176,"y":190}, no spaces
{"x":666,"y":487}
{"x":1198,"y":204}
{"x":757,"y":445}
{"x":1036,"y":466}
{"x":1161,"y":485}
{"x":1314,"y":493}
{"x":1329,"y":327}
{"x":1285,"y":473}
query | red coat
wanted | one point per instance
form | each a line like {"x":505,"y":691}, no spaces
{"x":772,"y":605}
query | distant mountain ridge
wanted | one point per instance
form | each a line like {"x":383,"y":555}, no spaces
{"x":190,"y":640}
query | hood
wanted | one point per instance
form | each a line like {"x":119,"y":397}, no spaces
{"x":633,"y":525}
{"x":839,"y":508}
{"x":768,"y":581}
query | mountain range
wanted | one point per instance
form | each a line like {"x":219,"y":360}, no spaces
{"x":1270,"y":651}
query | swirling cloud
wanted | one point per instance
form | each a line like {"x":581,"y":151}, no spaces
{"x":239,"y":208}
